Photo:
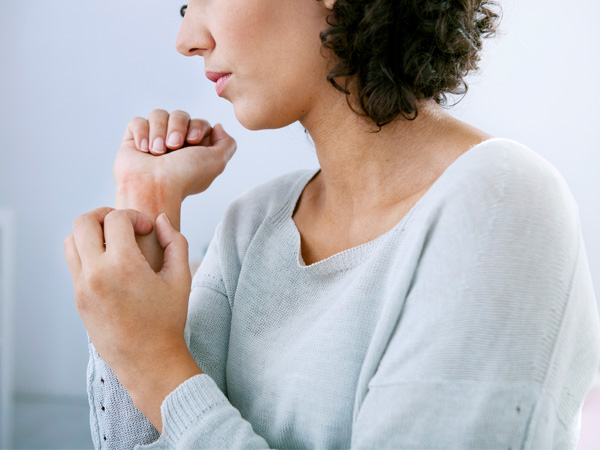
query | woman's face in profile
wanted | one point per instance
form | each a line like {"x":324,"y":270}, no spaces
{"x":271,"y":48}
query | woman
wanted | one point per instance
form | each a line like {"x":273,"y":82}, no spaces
{"x":427,"y":287}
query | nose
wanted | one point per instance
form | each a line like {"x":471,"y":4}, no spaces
{"x":194,"y":37}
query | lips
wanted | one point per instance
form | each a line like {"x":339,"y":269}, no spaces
{"x":220,"y":78}
{"x":214,"y":76}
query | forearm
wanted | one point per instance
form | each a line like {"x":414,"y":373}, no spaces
{"x":152,"y":384}
{"x":150,"y":201}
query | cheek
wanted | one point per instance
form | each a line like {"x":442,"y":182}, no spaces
{"x":278,"y":91}
{"x":246,"y":25}
{"x":279,"y":64}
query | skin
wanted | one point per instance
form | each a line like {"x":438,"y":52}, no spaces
{"x":367,"y":182}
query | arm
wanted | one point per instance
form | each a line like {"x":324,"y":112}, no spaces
{"x":113,"y":414}
{"x":520,"y":383}
{"x":499,"y":338}
{"x":157,"y":184}
{"x":197,"y":412}
{"x":119,"y":399}
{"x":143,"y":183}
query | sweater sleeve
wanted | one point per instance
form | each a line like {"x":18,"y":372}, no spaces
{"x":198,"y":414}
{"x":115,"y":422}
{"x":498,"y":341}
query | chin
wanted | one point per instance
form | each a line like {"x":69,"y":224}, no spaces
{"x":255,"y":118}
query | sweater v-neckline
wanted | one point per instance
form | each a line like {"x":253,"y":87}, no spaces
{"x":349,"y":258}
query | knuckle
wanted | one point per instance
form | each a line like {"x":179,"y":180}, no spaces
{"x":180,"y":240}
{"x":183,"y":240}
{"x":122,"y":277}
{"x":80,"y":301}
{"x":103,"y":211}
{"x":115,"y":215}
{"x":80,"y":220}
{"x":94,"y":281}
{"x":204,"y":124}
{"x":158,"y":112}
{"x":178,"y":113}
{"x":138,"y":123}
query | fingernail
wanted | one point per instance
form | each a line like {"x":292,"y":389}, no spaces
{"x":194,"y":134}
{"x":166,"y":218}
{"x":158,"y":146}
{"x":174,"y":139}
{"x":144,"y":145}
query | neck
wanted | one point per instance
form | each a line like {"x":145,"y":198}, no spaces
{"x":363,"y":171}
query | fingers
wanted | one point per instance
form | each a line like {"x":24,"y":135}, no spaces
{"x":181,"y":129}
{"x":198,"y":129}
{"x":120,"y":227}
{"x":138,"y":129}
{"x":159,"y":121}
{"x":176,"y":263}
{"x":177,"y":129}
{"x":163,"y":131}
{"x":91,"y":230}
{"x":88,"y":234}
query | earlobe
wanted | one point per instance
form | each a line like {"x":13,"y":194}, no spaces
{"x":329,"y":4}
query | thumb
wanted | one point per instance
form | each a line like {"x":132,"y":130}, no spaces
{"x":176,"y":263}
{"x":222,"y":143}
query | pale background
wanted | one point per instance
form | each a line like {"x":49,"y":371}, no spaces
{"x":74,"y":72}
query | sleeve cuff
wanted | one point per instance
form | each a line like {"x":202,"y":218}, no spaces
{"x":186,"y":404}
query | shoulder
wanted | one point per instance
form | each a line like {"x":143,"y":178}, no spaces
{"x":503,"y":207}
{"x":505,"y":177}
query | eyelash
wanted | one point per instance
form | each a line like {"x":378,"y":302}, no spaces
{"x":183,"y":10}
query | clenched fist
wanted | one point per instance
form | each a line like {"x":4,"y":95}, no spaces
{"x":173,"y":153}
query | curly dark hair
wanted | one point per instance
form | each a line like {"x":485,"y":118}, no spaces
{"x":398,"y":52}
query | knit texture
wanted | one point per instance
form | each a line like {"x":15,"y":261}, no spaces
{"x":470,"y":324}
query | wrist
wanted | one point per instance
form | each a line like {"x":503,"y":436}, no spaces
{"x":149,"y":388}
{"x":151,"y":198}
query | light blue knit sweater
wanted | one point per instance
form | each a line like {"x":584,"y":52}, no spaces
{"x":471,"y":324}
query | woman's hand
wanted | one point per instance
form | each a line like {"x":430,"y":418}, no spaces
{"x":135,"y":317}
{"x":183,"y":170}
{"x":156,"y":184}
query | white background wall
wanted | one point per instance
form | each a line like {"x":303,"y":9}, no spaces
{"x":74,"y":72}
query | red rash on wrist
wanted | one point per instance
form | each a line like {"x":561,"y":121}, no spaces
{"x":150,"y":200}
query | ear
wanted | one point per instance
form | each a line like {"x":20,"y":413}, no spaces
{"x":329,"y":3}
